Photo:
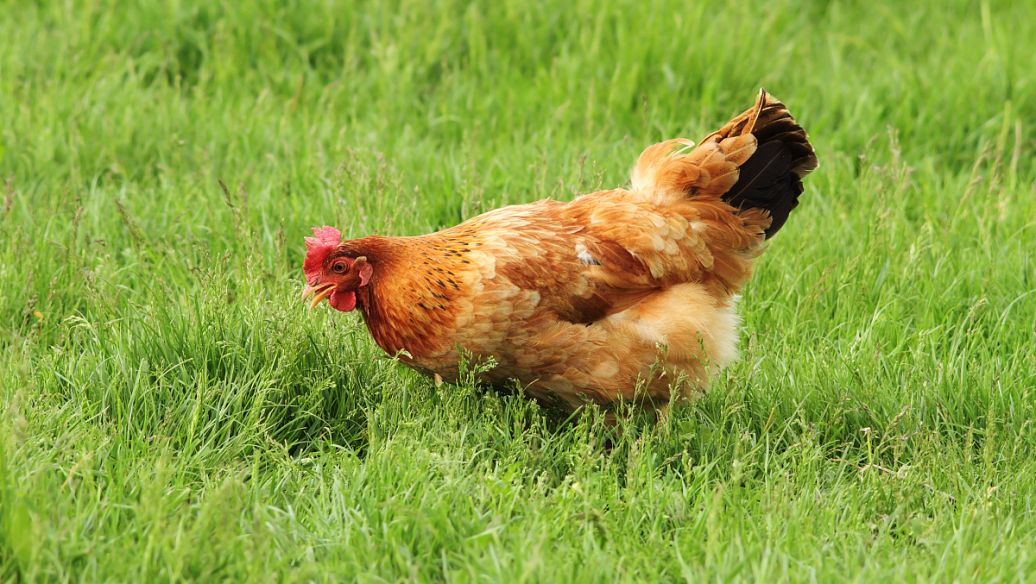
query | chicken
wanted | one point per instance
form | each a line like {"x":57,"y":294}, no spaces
{"x":620,"y":295}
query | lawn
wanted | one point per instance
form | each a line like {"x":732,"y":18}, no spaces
{"x":170,"y":411}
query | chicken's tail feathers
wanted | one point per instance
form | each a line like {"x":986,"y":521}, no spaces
{"x":755,"y":161}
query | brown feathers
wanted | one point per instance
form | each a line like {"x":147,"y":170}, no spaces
{"x":755,"y":161}
{"x":614,"y":293}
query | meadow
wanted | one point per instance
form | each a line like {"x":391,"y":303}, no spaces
{"x":170,"y":411}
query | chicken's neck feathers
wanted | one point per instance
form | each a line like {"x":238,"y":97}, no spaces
{"x":411,"y":299}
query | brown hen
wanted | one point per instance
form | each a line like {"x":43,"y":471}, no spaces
{"x":627,"y":294}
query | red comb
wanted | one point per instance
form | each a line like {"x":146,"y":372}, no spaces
{"x":324,"y":236}
{"x":317,"y":248}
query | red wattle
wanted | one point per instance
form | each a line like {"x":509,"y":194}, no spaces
{"x":344,"y":301}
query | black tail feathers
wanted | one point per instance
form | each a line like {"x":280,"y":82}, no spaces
{"x":771,"y":178}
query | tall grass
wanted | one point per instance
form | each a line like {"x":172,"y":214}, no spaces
{"x":169,"y":411}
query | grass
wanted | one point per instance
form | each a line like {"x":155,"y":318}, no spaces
{"x":169,"y":411}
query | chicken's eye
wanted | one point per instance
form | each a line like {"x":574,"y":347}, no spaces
{"x":338,"y":267}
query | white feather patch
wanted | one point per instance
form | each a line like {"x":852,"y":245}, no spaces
{"x":584,"y":256}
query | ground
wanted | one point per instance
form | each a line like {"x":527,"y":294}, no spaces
{"x":170,"y":411}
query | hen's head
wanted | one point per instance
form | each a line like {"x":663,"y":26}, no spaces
{"x":330,"y":272}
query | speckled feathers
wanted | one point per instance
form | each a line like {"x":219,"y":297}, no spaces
{"x":620,"y":294}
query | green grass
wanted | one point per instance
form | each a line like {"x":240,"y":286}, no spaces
{"x":170,"y":411}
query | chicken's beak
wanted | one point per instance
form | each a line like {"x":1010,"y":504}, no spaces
{"x":319,"y":292}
